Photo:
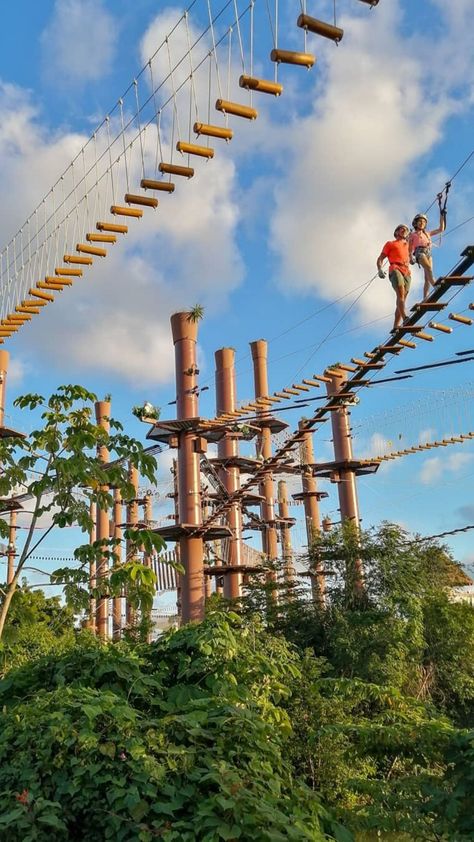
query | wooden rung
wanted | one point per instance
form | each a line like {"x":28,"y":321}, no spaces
{"x":39,"y":294}
{"x":442,"y":328}
{"x":455,"y":439}
{"x":194,"y":149}
{"x":52,"y":279}
{"x":282,"y":395}
{"x":290,"y":57}
{"x":264,"y":86}
{"x":75,"y":273}
{"x":334,"y":372}
{"x":373,"y":365}
{"x":313,"y":383}
{"x":15,"y":319}
{"x":28,"y":303}
{"x":390,"y":349}
{"x":346,"y":367}
{"x":272,"y":399}
{"x":320,"y":27}
{"x":136,"y":199}
{"x":424,"y":336}
{"x":322,"y":378}
{"x":117,"y":210}
{"x":101,"y":238}
{"x":435,"y":306}
{"x":213,"y":131}
{"x":456,"y":317}
{"x":174,"y":169}
{"x":369,"y":354}
{"x":300,"y":388}
{"x":83,"y":261}
{"x":58,"y":287}
{"x":91,"y":250}
{"x":406,"y":343}
{"x":291,"y":391}
{"x":30,"y":310}
{"x":455,"y":280}
{"x":357,"y":361}
{"x":112,"y":227}
{"x":151,"y":184}
{"x":236,"y":109}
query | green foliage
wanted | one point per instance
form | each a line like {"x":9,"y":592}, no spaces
{"x":184,"y":740}
{"x":62,"y":456}
{"x":196,"y":313}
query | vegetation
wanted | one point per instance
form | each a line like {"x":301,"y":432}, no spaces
{"x":57,"y":468}
{"x":348,"y":721}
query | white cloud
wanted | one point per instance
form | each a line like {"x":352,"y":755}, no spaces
{"x":79,"y":42}
{"x":352,"y":163}
{"x":437,"y":467}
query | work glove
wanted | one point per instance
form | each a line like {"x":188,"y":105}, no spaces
{"x":382,"y":274}
{"x":412,"y":261}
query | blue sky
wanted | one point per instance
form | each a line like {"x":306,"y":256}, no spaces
{"x":287,"y":218}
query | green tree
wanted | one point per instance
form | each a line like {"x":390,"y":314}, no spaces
{"x":50,"y":467}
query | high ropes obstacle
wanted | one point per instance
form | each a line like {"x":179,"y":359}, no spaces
{"x":151,"y":139}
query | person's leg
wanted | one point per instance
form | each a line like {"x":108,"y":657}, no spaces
{"x":425,"y":262}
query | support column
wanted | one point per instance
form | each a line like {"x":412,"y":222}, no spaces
{"x":184,"y":330}
{"x":117,"y":534}
{"x":11,"y":550}
{"x":310,"y":497}
{"x":285,"y":532}
{"x":269,"y":534}
{"x":346,"y":483}
{"x":132,"y":520}
{"x":228,"y":448}
{"x":4,"y":360}
{"x":92,"y":621}
{"x":102,"y":414}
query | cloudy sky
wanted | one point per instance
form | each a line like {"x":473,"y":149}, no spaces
{"x":278,"y":235}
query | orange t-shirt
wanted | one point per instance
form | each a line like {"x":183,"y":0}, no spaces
{"x":397,"y":253}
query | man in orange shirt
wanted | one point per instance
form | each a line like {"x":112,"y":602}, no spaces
{"x":396,"y":251}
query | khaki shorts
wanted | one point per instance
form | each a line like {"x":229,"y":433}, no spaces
{"x":398,"y":279}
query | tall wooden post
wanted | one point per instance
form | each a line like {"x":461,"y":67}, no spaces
{"x":102,"y":414}
{"x":269,"y":533}
{"x":4,"y":361}
{"x":11,"y":550}
{"x":285,"y":532}
{"x":191,"y":549}
{"x":228,"y":449}
{"x":132,"y":520}
{"x":117,"y":534}
{"x":92,"y":621}
{"x":344,"y":471}
{"x":310,"y":497}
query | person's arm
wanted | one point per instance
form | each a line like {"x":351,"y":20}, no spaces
{"x":410,"y":249}
{"x":442,"y":225}
{"x":380,"y":261}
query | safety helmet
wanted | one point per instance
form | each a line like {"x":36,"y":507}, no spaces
{"x":402,"y":225}
{"x":417,"y":217}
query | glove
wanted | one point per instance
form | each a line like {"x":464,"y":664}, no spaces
{"x":412,"y":261}
{"x":382,"y":274}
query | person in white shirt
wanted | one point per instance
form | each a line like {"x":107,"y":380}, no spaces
{"x":419,"y":246}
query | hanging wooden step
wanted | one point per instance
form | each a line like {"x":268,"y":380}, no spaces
{"x":312,"y":383}
{"x":236,"y":109}
{"x":263,"y":86}
{"x":136,"y":199}
{"x":175,"y":169}
{"x":423,"y":306}
{"x":346,"y":367}
{"x":82,"y":261}
{"x":75,"y":273}
{"x":391,"y":349}
{"x":406,"y":343}
{"x":213,"y":131}
{"x":151,"y":184}
{"x":194,"y":149}
{"x":29,"y":303}
{"x":456,"y":317}
{"x":51,"y":279}
{"x":31,"y":310}
{"x":442,"y":328}
{"x":322,"y":378}
{"x":44,"y":295}
{"x":320,"y":27}
{"x":425,"y":336}
{"x":101,"y":238}
{"x":16,"y":319}
{"x":58,"y":287}
{"x":291,"y":57}
{"x":91,"y":250}
{"x":112,"y":227}
{"x":117,"y":210}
